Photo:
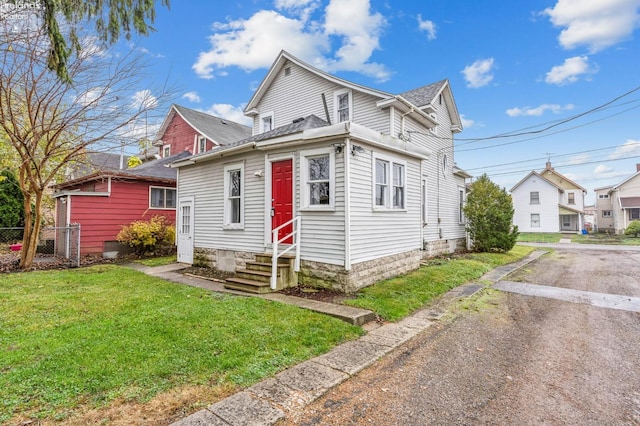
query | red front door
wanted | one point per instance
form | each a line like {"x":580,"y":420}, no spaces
{"x":282,"y":197}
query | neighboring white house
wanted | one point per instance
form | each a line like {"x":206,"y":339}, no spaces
{"x":369,"y":176}
{"x":548,"y":202}
{"x":619,"y":205}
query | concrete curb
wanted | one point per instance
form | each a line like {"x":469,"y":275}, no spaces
{"x":269,"y":401}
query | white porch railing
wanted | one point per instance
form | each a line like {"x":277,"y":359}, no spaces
{"x":295,"y":236}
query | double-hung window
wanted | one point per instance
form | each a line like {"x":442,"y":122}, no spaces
{"x":534,"y":197}
{"x":634,"y":214}
{"x":343,"y":105}
{"x":571,"y":197}
{"x":535,"y":220}
{"x":234,"y":196}
{"x":389,"y":185}
{"x":266,"y":122}
{"x":318,"y":179}
{"x":202,"y":144}
{"x":162,"y":198}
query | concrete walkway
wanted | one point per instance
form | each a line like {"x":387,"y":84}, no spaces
{"x":268,"y":401}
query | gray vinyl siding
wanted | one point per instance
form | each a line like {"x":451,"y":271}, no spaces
{"x":323,"y":232}
{"x":205,"y":183}
{"x":376,"y":233}
{"x":300,"y":94}
{"x":442,"y":185}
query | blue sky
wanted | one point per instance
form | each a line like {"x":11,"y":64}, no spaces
{"x":561,"y":75}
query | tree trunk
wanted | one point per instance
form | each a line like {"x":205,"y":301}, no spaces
{"x":32,"y":220}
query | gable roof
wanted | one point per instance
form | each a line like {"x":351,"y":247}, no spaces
{"x":551,"y":170}
{"x":95,"y":162}
{"x":626,"y":180}
{"x":534,"y":173}
{"x":424,"y":97}
{"x":386,"y":99}
{"x":283,"y":58}
{"x":155,"y":171}
{"x":216,"y":129}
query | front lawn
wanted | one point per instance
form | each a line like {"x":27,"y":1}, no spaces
{"x":398,"y":297}
{"x":82,"y":339}
{"x":539,"y":237}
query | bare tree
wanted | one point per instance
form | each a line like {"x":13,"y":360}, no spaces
{"x":48,"y":123}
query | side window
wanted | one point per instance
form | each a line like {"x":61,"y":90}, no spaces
{"x":389,"y":183}
{"x":234,"y":196}
{"x":571,"y":197}
{"x":535,"y":220}
{"x":534,"y":197}
{"x":266,"y":122}
{"x":318,"y":179}
{"x":162,"y":198}
{"x":202,"y":144}
{"x":166,"y":151}
{"x":606,"y":213}
{"x":343,"y":105}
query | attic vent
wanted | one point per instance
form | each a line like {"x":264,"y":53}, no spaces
{"x":299,"y":120}
{"x":223,"y":122}
{"x":287,"y":71}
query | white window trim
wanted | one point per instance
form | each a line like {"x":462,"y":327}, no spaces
{"x":389,"y":201}
{"x":539,"y":224}
{"x":261,"y":122}
{"x":304,"y":173}
{"x":336,"y":115}
{"x":607,"y":213}
{"x":165,"y":197}
{"x":461,"y":202}
{"x":199,"y":140}
{"x":531,"y":200}
{"x":227,"y":210}
{"x":434,"y":129}
{"x":164,"y":149}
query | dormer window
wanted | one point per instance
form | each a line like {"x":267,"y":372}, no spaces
{"x":343,"y":105}
{"x":266,"y":122}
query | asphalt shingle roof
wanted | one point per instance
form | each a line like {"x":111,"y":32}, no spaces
{"x":423,"y":95}
{"x":215,"y":128}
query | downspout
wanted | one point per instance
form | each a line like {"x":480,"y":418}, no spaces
{"x":347,"y":205}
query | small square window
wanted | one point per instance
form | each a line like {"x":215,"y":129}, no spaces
{"x":318,"y":179}
{"x":606,"y":213}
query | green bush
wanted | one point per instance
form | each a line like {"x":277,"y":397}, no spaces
{"x":633,"y":229}
{"x":147,"y":236}
{"x":11,"y":207}
{"x":489,"y":212}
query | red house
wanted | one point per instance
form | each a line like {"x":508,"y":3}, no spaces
{"x":106,"y":196}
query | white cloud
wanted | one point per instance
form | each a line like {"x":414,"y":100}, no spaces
{"x":569,"y":71}
{"x":143,"y":99}
{"x":601,"y":170}
{"x":301,"y":8}
{"x":90,"y":96}
{"x":428,"y":26}
{"x":479,"y":73}
{"x":539,"y":110}
{"x":466,"y":123}
{"x":192,"y":97}
{"x":229,"y":112}
{"x":595,"y":24}
{"x":579,"y":159}
{"x":254,"y":42}
{"x":630,"y":148}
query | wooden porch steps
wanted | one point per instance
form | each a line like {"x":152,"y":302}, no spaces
{"x":256,"y":277}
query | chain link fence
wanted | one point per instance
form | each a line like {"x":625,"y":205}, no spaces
{"x":59,"y":245}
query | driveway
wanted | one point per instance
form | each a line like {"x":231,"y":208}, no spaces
{"x":512,"y":358}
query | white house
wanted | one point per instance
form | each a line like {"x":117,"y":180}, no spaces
{"x":548,"y":202}
{"x":619,"y":205}
{"x":361,"y":183}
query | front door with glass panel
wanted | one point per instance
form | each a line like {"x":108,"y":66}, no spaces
{"x":184,"y":230}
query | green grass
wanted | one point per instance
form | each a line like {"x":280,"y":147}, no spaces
{"x":157,"y":261}
{"x":86,"y":337}
{"x":396,"y":298}
{"x":539,"y":237}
